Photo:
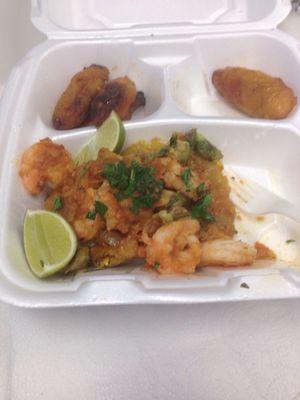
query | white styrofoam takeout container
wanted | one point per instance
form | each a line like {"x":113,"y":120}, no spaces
{"x":170,"y":50}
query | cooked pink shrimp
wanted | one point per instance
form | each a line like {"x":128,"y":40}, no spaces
{"x":171,"y":172}
{"x":45,"y":163}
{"x":77,"y":202}
{"x":175,"y":247}
{"x":118,"y":215}
{"x":87,"y":228}
{"x":227,"y":253}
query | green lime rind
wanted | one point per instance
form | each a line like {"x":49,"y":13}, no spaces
{"x":49,"y":242}
{"x":111,"y":135}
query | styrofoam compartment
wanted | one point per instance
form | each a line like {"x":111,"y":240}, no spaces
{"x":174,"y":71}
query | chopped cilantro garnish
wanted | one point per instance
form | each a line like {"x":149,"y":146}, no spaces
{"x":135,"y":182}
{"x":58,"y":203}
{"x":156,"y":264}
{"x":202,"y":190}
{"x":91,"y":214}
{"x":117,"y":175}
{"x":100,"y":208}
{"x":186,"y":177}
{"x":199,"y":211}
{"x":173,"y":141}
{"x":163,"y":152}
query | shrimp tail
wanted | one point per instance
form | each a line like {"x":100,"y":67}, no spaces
{"x":227,"y":253}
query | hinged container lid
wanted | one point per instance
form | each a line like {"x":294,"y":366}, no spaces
{"x":127,"y":18}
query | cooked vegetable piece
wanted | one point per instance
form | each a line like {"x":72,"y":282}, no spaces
{"x":80,"y":261}
{"x":165,"y":216}
{"x":104,"y":255}
{"x":206,"y":149}
{"x":202,"y":146}
{"x":181,"y":151}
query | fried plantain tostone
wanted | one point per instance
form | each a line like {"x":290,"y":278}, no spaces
{"x":119,"y":95}
{"x":72,"y":108}
{"x":254,"y":93}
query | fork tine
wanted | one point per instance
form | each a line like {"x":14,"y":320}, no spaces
{"x":237,"y":197}
{"x":236,"y":192}
{"x":252,"y":186}
{"x":242,"y":190}
{"x":253,"y":198}
{"x":246,"y":189}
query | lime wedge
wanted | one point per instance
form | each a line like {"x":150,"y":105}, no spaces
{"x":50,"y":242}
{"x":110,"y":135}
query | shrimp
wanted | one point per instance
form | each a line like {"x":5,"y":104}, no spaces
{"x":118,"y":215}
{"x":227,"y":253}
{"x":263,"y":252}
{"x":172,"y":172}
{"x":45,"y":163}
{"x":175,"y":247}
{"x":77,"y":202}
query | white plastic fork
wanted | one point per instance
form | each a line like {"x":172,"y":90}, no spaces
{"x":252,"y":198}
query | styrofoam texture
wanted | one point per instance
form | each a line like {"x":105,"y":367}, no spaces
{"x":91,"y":18}
{"x":264,"y":150}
